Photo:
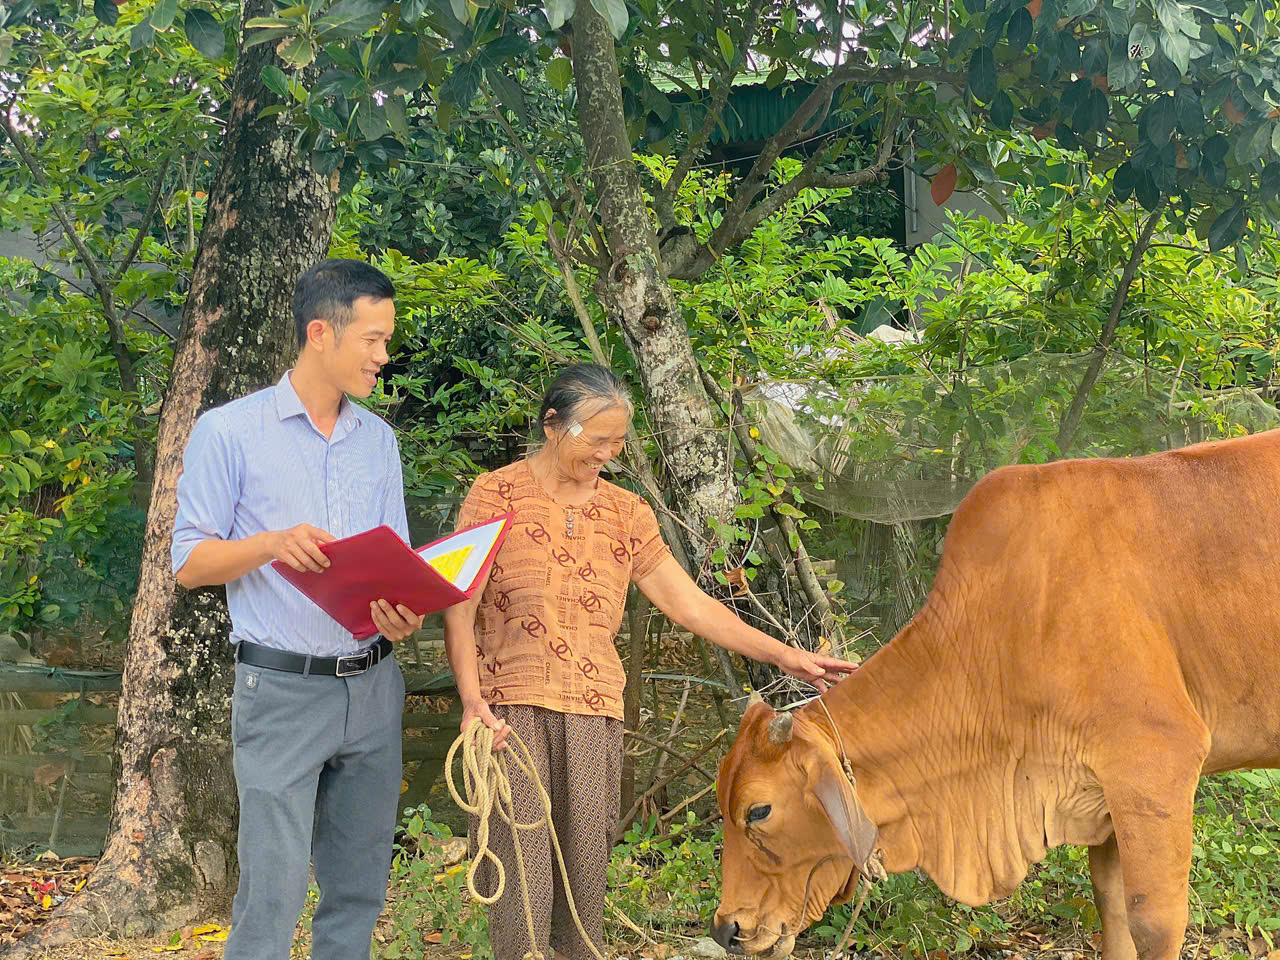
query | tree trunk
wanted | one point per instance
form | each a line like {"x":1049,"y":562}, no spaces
{"x":170,"y":852}
{"x":639,"y":300}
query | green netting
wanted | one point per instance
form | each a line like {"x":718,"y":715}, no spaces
{"x":892,"y":450}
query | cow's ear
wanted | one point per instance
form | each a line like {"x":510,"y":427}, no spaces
{"x":855,"y":829}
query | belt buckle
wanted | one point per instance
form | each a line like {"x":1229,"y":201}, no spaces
{"x":365,"y":659}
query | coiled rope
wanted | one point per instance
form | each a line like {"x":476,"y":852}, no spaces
{"x":487,"y":784}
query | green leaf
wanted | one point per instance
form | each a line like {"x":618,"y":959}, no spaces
{"x":1177,"y":48}
{"x":1002,"y":110}
{"x":1255,"y":144}
{"x":1147,"y":192}
{"x":141,"y":36}
{"x":402,"y":82}
{"x":1214,"y":8}
{"x":459,"y":88}
{"x":1116,"y":15}
{"x":1157,"y":120}
{"x":1227,"y":228}
{"x":509,"y":93}
{"x":350,"y":18}
{"x":975,"y":6}
{"x":560,"y":74}
{"x":163,"y":14}
{"x":1142,"y":43}
{"x":204,"y":33}
{"x":298,"y":53}
{"x":1121,"y":71}
{"x":256,"y":37}
{"x":558,"y":11}
{"x":6,"y":47}
{"x":1189,"y":110}
{"x":275,"y":80}
{"x":460,"y":10}
{"x":1020,"y":26}
{"x":411,"y":11}
{"x":106,"y":12}
{"x":394,"y":107}
{"x":615,"y":15}
{"x":982,"y":74}
{"x":371,"y":119}
{"x":1172,"y":15}
{"x":726,"y":46}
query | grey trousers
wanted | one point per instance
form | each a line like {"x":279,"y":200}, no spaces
{"x":318,"y":771}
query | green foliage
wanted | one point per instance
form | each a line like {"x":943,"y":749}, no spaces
{"x":666,"y":879}
{"x":427,"y":897}
{"x":66,"y":430}
{"x":1177,"y":98}
{"x":669,"y":882}
{"x":463,"y":380}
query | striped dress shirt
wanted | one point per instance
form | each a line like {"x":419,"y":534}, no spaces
{"x":258,"y":464}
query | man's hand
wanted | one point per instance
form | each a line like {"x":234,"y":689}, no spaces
{"x":394,"y":623}
{"x":299,"y":547}
{"x":481,"y":709}
{"x":813,"y":668}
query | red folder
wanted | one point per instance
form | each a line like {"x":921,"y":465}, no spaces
{"x":378,"y":565}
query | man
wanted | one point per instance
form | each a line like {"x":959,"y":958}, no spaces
{"x":315,"y":714}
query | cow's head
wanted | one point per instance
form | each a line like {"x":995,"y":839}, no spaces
{"x":796,"y":839}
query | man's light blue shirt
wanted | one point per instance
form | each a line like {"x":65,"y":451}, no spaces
{"x":258,"y":464}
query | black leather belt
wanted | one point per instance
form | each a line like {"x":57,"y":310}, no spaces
{"x":257,"y":655}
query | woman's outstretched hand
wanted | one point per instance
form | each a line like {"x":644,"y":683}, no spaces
{"x":815,"y":668}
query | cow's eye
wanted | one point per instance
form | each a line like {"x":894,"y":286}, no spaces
{"x":758,"y":813}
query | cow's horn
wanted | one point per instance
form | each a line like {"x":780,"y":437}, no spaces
{"x":780,"y":728}
{"x":754,"y":699}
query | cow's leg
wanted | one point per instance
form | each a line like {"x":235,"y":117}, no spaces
{"x":1108,"y":895}
{"x":1150,"y":784}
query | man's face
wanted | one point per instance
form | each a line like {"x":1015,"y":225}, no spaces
{"x":354,"y":359}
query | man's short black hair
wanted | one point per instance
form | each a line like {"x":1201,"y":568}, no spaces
{"x":329,"y":289}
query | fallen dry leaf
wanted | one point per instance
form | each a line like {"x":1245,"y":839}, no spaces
{"x":47,"y":774}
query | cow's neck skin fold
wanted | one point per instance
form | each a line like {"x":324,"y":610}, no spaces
{"x":920,"y":724}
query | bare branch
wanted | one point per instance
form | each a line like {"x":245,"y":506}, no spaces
{"x":664,"y":199}
{"x":144,"y":225}
{"x":29,"y":160}
{"x":811,"y":176}
{"x":598,"y":262}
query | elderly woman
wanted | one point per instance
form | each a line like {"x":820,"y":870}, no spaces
{"x":534,"y":653}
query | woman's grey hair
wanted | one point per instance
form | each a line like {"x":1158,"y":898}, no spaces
{"x":578,"y":393}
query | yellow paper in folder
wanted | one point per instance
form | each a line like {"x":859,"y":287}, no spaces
{"x":449,"y":565}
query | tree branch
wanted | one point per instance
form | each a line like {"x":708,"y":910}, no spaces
{"x":811,"y":176}
{"x":103,"y":284}
{"x":1071,"y":422}
{"x":695,"y":264}
{"x":795,"y":543}
{"x":600,"y":261}
{"x":144,"y":225}
{"x":32,"y":164}
{"x":664,"y":199}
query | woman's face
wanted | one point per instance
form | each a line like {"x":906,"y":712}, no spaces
{"x":581,"y":456}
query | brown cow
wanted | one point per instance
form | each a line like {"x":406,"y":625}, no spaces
{"x":1100,"y":634}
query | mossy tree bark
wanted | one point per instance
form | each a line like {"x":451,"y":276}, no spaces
{"x":170,"y":851}
{"x":636,"y":296}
